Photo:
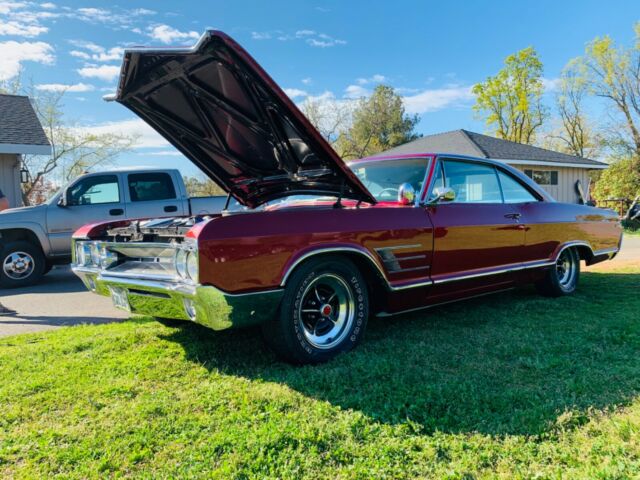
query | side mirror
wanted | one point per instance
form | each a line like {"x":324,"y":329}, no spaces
{"x":444,"y":194}
{"x":406,"y":194}
{"x":62,"y":201}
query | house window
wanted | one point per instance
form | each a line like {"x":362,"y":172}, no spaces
{"x":543,"y":177}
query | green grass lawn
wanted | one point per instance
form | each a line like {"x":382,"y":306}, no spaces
{"x":513,"y":386}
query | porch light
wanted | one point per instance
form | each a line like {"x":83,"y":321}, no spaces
{"x":24,"y":175}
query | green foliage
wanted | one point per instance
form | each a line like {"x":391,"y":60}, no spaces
{"x":511,"y":101}
{"x":379,"y":123}
{"x":202,"y":187}
{"x":513,"y":386}
{"x":620,"y":180}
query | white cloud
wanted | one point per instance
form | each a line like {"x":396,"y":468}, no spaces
{"x":377,"y":78}
{"x":356,"y":91}
{"x":21,"y":30}
{"x":260,"y":35}
{"x":437,"y":99}
{"x":327,"y":42}
{"x":305,"y":33}
{"x":6,"y":7}
{"x":295,"y":92}
{"x":550,"y":84}
{"x":14,"y":53}
{"x":147,"y":136}
{"x":166,"y":34}
{"x":307,"y":81}
{"x":163,"y":153}
{"x":107,"y":73}
{"x":79,"y":54}
{"x":61,"y":87}
{"x":48,"y":5}
{"x":143,"y":11}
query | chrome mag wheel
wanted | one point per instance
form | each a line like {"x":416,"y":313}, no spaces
{"x":18,"y":265}
{"x":326,"y":311}
{"x":566,"y":268}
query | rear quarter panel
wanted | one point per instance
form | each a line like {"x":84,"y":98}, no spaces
{"x":549,"y":225}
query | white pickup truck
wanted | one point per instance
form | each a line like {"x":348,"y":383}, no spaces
{"x":33,"y":239}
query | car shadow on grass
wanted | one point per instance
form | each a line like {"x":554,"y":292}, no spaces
{"x":512,"y":363}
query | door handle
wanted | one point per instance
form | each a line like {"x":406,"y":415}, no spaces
{"x":116,"y":211}
{"x":170,"y":208}
{"x":514,"y":216}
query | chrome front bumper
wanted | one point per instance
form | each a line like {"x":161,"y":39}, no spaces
{"x":202,"y":304}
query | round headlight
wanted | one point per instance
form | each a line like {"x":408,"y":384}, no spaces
{"x":181,"y":263}
{"x":192,"y":266}
{"x":95,"y":254}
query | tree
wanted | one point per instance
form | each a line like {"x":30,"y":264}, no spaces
{"x":379,"y":122}
{"x":202,"y":187}
{"x":620,"y":180}
{"x":511,"y":101}
{"x":575,"y":134}
{"x":74,"y":149}
{"x":613,"y":73}
{"x":331,"y":117}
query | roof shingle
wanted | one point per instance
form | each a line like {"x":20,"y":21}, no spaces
{"x":464,"y":142}
{"x":19,"y":124}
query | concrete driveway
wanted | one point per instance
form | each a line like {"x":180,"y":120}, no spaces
{"x":61,"y":299}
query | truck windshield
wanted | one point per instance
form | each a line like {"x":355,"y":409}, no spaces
{"x":384,"y":177}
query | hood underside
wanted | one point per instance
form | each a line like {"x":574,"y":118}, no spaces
{"x":216,"y":105}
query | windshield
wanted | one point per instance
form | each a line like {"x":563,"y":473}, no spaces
{"x":384,"y":177}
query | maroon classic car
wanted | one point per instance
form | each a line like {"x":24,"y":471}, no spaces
{"x":320,"y":245}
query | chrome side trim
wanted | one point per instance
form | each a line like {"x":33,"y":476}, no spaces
{"x":512,"y":268}
{"x":398,"y":247}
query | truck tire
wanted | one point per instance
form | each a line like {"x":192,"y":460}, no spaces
{"x":562,"y":278}
{"x":21,"y":264}
{"x":323,"y":312}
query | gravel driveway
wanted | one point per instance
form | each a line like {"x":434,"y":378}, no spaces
{"x":62,"y":300}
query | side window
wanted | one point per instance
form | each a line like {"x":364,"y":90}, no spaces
{"x":513,"y":191}
{"x":472,"y":182}
{"x":95,"y":190}
{"x":151,"y":186}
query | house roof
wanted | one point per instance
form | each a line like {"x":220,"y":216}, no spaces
{"x":464,"y":142}
{"x":20,"y":129}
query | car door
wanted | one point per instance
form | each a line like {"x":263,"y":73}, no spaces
{"x":478,"y":239}
{"x":91,"y":199}
{"x":153,"y":194}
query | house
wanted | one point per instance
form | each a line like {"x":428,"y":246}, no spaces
{"x":20,"y":134}
{"x":556,"y":172}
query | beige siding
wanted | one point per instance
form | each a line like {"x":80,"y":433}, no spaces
{"x":565,"y":191}
{"x":10,"y":178}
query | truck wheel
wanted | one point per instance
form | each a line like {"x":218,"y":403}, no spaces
{"x":323,"y":313}
{"x":562,"y":278}
{"x":21,"y":264}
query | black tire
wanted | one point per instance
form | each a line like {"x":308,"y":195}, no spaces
{"x":47,"y":268}
{"x":337,"y":308}
{"x":562,"y":278}
{"x":10,"y":277}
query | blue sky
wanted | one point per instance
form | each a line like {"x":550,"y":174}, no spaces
{"x":432,"y":52}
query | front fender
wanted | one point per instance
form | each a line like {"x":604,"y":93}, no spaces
{"x":33,"y":228}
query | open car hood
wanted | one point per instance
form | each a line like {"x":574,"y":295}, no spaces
{"x":216,"y":105}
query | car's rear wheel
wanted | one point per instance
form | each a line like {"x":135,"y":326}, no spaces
{"x":21,"y":264}
{"x":323,"y":312}
{"x":562,"y":278}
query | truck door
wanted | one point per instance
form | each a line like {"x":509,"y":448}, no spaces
{"x":91,"y":199}
{"x":153,"y":194}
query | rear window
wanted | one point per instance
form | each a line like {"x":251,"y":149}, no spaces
{"x":144,"y":187}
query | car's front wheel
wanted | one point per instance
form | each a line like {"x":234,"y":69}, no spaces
{"x":562,"y":278}
{"x":323,"y":312}
{"x":22,"y":264}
